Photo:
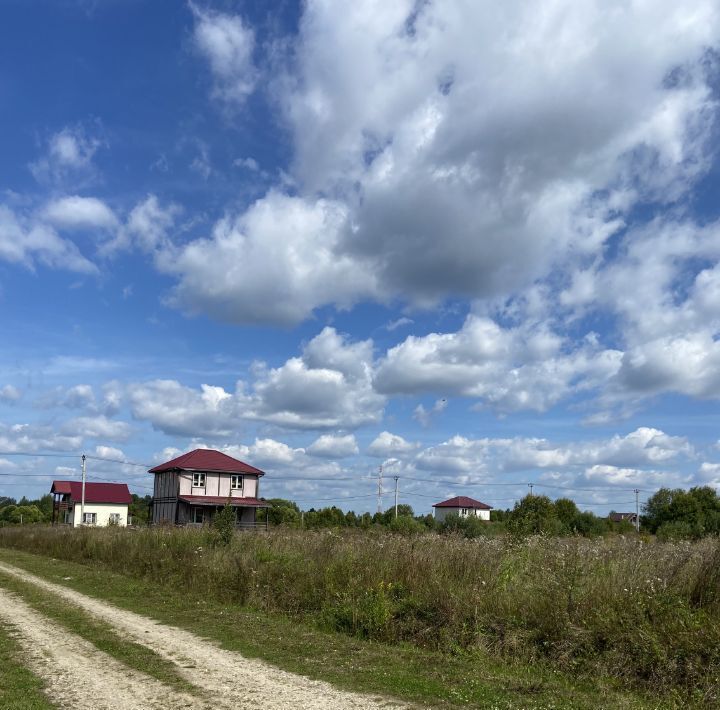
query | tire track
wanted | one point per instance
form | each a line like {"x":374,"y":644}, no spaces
{"x":76,"y":674}
{"x":231,"y":680}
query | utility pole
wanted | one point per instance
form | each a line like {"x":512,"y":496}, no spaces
{"x":380,"y":490}
{"x":530,"y":486}
{"x":396,"y":493}
{"x":82,"y":496}
{"x":637,"y":509}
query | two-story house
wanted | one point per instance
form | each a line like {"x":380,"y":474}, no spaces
{"x":190,"y":489}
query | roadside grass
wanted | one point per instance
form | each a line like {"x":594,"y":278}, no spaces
{"x":20,"y":688}
{"x":426,"y":677}
{"x":102,"y":635}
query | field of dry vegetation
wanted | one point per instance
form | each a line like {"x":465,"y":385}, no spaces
{"x":643,"y":612}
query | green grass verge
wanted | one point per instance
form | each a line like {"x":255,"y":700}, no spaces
{"x":428,"y":678}
{"x":97,"y":632}
{"x":20,"y":689}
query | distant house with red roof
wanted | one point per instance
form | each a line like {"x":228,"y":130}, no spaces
{"x":105,"y":503}
{"x":192,"y":488}
{"x":463,"y":506}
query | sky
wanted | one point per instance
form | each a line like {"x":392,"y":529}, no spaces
{"x":474,"y":243}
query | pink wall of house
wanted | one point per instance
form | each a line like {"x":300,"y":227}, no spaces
{"x":218,"y":484}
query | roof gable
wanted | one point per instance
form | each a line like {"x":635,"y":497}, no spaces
{"x":117,"y":493}
{"x":207,"y":460}
{"x":463,"y":502}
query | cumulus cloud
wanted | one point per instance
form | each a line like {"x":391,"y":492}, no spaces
{"x":29,"y":438}
{"x":509,"y":368}
{"x":445,"y":179}
{"x":76,"y":212}
{"x":386,"y":445}
{"x":109,"y":452}
{"x":474,"y":181}
{"x":328,"y":386}
{"x":333,"y":446}
{"x":274,"y":263}
{"x":612,"y":458}
{"x":227,"y":43}
{"x":97,"y":427}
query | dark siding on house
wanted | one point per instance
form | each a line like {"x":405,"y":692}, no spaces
{"x":165,"y":493}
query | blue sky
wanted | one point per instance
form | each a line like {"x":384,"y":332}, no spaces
{"x":476,"y":244}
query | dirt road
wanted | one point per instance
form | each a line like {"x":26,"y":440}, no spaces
{"x":229,"y":679}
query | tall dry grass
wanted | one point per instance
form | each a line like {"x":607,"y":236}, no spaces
{"x":647,"y":613}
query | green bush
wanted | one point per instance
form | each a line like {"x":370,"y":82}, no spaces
{"x":224,"y":524}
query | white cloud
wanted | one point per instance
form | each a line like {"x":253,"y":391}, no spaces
{"x":387,"y":445}
{"x":424,"y":416}
{"x":438,"y":178}
{"x":334,"y":446}
{"x":30,"y":243}
{"x":30,"y":438}
{"x":610,"y":459}
{"x":227,"y":43}
{"x":147,"y":228}
{"x":76,"y":212}
{"x":645,"y":445}
{"x":328,"y":386}
{"x":510,"y":369}
{"x":109,"y":452}
{"x":97,"y":427}
{"x":273,"y":264}
{"x":505,"y":162}
{"x":70,"y":154}
{"x":10,"y":394}
{"x":398,"y":323}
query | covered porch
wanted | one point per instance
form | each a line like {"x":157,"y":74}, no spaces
{"x":201,"y":510}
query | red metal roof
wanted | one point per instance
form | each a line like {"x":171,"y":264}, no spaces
{"x":220,"y":500}
{"x":117,"y":493}
{"x":207,"y":460}
{"x":463,"y":502}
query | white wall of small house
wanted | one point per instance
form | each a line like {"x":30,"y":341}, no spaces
{"x":443,"y":512}
{"x":102,"y":511}
{"x":218,"y":484}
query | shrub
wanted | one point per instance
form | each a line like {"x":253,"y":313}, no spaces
{"x":224,"y":524}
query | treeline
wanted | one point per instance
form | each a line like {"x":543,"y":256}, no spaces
{"x":671,"y":514}
{"x":532,"y":515}
{"x":39,"y":510}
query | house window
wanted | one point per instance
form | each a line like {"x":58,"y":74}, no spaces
{"x":114,"y":519}
{"x":198,"y":515}
{"x":236,"y":483}
{"x":198,"y":480}
{"x":90,"y":518}
{"x":464,"y":511}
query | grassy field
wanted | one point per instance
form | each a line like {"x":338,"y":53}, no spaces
{"x":618,"y":615}
{"x":19,"y":688}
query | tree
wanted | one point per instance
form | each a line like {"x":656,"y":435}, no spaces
{"x":675,"y":513}
{"x":283,"y":512}
{"x":566,"y":511}
{"x":533,"y":515}
{"x":139,"y":509}
{"x":16,"y":514}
